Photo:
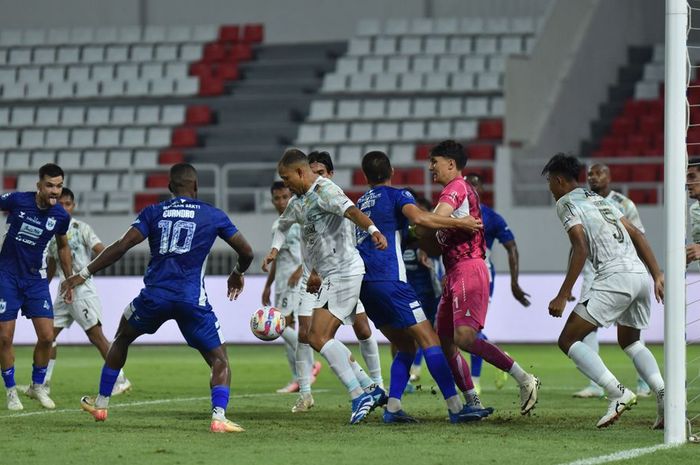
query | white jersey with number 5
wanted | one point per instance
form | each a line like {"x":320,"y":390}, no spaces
{"x":610,"y":248}
{"x":81,"y":240}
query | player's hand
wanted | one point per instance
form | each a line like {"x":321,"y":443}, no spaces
{"x":266,"y":296}
{"x":520,"y":295}
{"x":557,"y":306}
{"x":659,"y":287}
{"x":235,"y":285}
{"x":470,"y":224}
{"x":313,"y":284}
{"x":68,"y":285}
{"x":692,"y":253}
{"x":379,"y":240}
{"x":269,"y":259}
{"x":68,"y":296}
{"x":295,"y":277}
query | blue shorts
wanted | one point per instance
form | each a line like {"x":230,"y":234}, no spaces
{"x":391,"y":303}
{"x":199,"y":325}
{"x":429,"y":302}
{"x":30,"y":295}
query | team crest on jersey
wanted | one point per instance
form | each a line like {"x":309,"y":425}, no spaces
{"x":50,"y":224}
{"x":3,"y":306}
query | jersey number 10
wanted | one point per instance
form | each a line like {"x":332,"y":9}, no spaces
{"x":170,"y":236}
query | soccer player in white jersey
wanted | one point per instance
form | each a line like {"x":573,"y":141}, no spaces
{"x":86,"y":309}
{"x":693,"y":184}
{"x":599,"y":182}
{"x":619,"y":293}
{"x":322,"y":165}
{"x":330,"y":250}
{"x":286,"y":272}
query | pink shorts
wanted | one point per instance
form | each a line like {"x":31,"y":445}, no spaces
{"x":465,"y":297}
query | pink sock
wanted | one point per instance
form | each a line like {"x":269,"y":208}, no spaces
{"x":461,"y":373}
{"x":492,"y":354}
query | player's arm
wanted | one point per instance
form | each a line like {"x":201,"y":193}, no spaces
{"x":109,"y":255}
{"x":441,"y":209}
{"x":579,"y":254}
{"x":268,"y":284}
{"x":65,"y":259}
{"x":279,"y":235}
{"x":647,"y":255}
{"x":692,"y":253}
{"x":50,"y":268}
{"x":245,"y":258}
{"x":355,"y":215}
{"x":514,"y":267}
{"x":433,"y":221}
{"x":97,"y":249}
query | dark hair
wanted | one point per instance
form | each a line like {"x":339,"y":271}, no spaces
{"x":292,"y":157}
{"x":182,"y":175}
{"x":51,"y":170}
{"x":322,"y":157}
{"x":478,"y":177}
{"x":376,"y":166}
{"x":450,"y":149}
{"x":420,"y":200}
{"x":563,"y":164}
{"x":277,"y":185}
{"x":694,"y":163}
{"x":68,"y":193}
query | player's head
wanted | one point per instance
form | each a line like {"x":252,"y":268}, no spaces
{"x":67,"y":200}
{"x":377,"y":167}
{"x":562,"y":172}
{"x":50,"y":184}
{"x":692,"y":178}
{"x":280,"y":196}
{"x":321,"y":163}
{"x":599,"y":178}
{"x":294,"y":170}
{"x":447,"y":159}
{"x":183,"y":180}
{"x":475,"y":180}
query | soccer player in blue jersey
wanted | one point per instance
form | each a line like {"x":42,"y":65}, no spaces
{"x":34,"y":218}
{"x":392,"y":303}
{"x":180,"y":234}
{"x":496,"y":228}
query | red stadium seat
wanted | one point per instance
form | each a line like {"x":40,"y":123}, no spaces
{"x":241,"y":52}
{"x":358,"y":178}
{"x":253,"y":33}
{"x":157,"y":180}
{"x":184,"y":137}
{"x":198,"y":115}
{"x":635,"y":108}
{"x":354,"y":195}
{"x":651,"y":124}
{"x":480,"y":152}
{"x":643,"y":196}
{"x":200,"y":68}
{"x":638,"y":142}
{"x":611,"y":144}
{"x":214,"y":52}
{"x":623,"y":125}
{"x":644,"y":173}
{"x":143,"y":200}
{"x":411,"y":176}
{"x":620,"y":173}
{"x":171,"y":157}
{"x":210,"y":86}
{"x":694,"y":149}
{"x":423,"y":151}
{"x":487,"y":198}
{"x":228,"y":71}
{"x":486,"y":173}
{"x":491,"y":129}
{"x":9,"y":183}
{"x":229,"y":33}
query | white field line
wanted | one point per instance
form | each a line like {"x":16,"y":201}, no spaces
{"x":622,"y":455}
{"x":149,"y":402}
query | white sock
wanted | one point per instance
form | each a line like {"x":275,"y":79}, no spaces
{"x":591,"y":340}
{"x":217,"y":413}
{"x":370,"y":352}
{"x":393,"y":405}
{"x":521,"y":376}
{"x":454,"y":405}
{"x":646,"y":365}
{"x":336,"y":353}
{"x":303,"y":368}
{"x":360,"y":374}
{"x":591,"y":365}
{"x":49,"y":369}
{"x":102,"y":401}
{"x":290,"y":341}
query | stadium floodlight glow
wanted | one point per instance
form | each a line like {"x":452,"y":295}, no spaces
{"x":675,"y":161}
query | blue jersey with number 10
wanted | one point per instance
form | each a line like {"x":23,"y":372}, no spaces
{"x":180,"y":234}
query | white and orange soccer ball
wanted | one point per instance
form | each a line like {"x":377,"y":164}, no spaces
{"x":267,"y":323}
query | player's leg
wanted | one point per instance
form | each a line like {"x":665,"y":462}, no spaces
{"x":220,"y":384}
{"x":7,"y":361}
{"x":61,"y":319}
{"x":476,"y":365}
{"x":368,"y":345}
{"x":283,"y":302}
{"x":592,"y":390}
{"x":306,"y":367}
{"x":42,"y":351}
{"x":400,"y":372}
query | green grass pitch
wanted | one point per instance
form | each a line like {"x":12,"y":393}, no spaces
{"x":165,"y":419}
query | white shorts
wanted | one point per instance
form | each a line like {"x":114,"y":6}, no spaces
{"x":339,"y":294}
{"x":288,"y":300}
{"x":86,"y":312}
{"x":622,"y":299}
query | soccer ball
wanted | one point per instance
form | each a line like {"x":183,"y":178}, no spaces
{"x":267,"y":323}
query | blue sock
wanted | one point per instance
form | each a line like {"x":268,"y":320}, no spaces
{"x":38,"y":374}
{"x":107,"y":380}
{"x":219,"y":396}
{"x":476,"y":360}
{"x":419,"y":357}
{"x":400,"y":372}
{"x":8,"y":376}
{"x":440,"y":371}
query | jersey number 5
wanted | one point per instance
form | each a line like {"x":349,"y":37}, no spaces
{"x":170,"y":236}
{"x":610,"y":218}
